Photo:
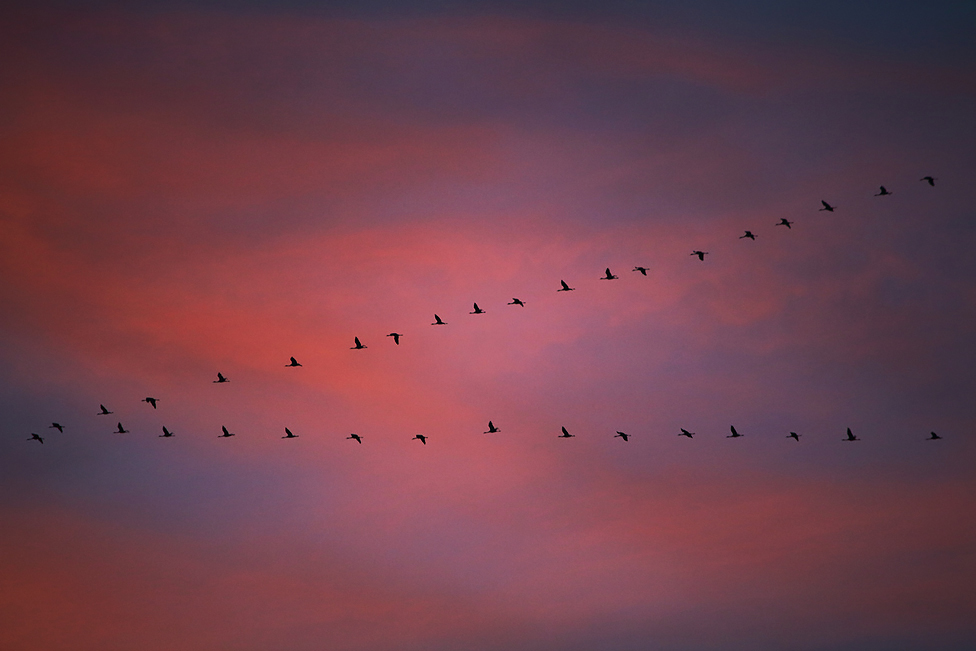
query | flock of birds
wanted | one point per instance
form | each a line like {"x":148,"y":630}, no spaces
{"x":564,"y":287}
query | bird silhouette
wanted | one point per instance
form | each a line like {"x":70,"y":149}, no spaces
{"x":701,"y":254}
{"x":933,"y":437}
{"x":421,"y":438}
{"x":786,"y":222}
{"x":151,"y":401}
{"x":516,"y":301}
{"x":622,"y":435}
{"x":685,"y":432}
{"x":883,"y":193}
{"x":491,"y":428}
{"x":609,"y":275}
{"x":566,"y":288}
{"x":850,"y":436}
{"x":827,"y":207}
{"x":396,"y":337}
{"x":57,"y":426}
{"x":643,"y":270}
{"x":104,"y":411}
{"x":355,"y":437}
{"x":35,"y":437}
{"x":288,"y":434}
{"x":565,"y":435}
{"x":121,"y":430}
{"x":437,"y":321}
{"x":929,"y":179}
{"x":794,"y":436}
{"x":166,"y":433}
{"x":220,"y":379}
{"x":294,"y":362}
{"x":358,"y":345}
{"x":477,"y":310}
{"x":749,"y":235}
{"x":225,"y":434}
{"x":734,"y":434}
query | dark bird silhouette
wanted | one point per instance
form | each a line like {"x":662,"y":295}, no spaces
{"x":929,"y":179}
{"x":933,"y":437}
{"x":220,"y":379}
{"x":396,"y":337}
{"x":57,"y":426}
{"x":566,"y":288}
{"x":294,"y":362}
{"x":225,"y":434}
{"x":794,"y":436}
{"x":643,"y":270}
{"x":516,"y":301}
{"x":701,"y":254}
{"x":358,"y":345}
{"x":734,"y":434}
{"x":35,"y":437}
{"x":355,"y":437}
{"x":421,"y":438}
{"x":621,"y":435}
{"x":685,"y":432}
{"x":827,"y":207}
{"x":437,"y":321}
{"x":288,"y":434}
{"x":477,"y":310}
{"x":166,"y":433}
{"x":491,"y":428}
{"x":883,"y":193}
{"x":565,"y":435}
{"x":121,"y":430}
{"x":151,"y":401}
{"x":749,"y":235}
{"x":104,"y":411}
{"x":850,"y":436}
{"x":786,"y":222}
{"x":609,"y":275}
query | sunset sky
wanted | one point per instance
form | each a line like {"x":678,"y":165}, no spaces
{"x":193,"y":188}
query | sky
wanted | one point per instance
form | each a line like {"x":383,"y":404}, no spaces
{"x":194,"y":188}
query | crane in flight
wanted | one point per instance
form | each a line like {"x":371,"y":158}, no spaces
{"x":827,"y":207}
{"x":396,"y":337}
{"x":685,"y":432}
{"x":786,"y":222}
{"x":104,"y":411}
{"x":166,"y":433}
{"x":358,"y":346}
{"x":794,"y":436}
{"x":293,"y":363}
{"x":437,"y":321}
{"x":151,"y":401}
{"x":491,"y":428}
{"x":929,"y":179}
{"x":477,"y":310}
{"x":609,"y":275}
{"x":57,"y":426}
{"x":566,"y":288}
{"x":565,"y":434}
{"x":220,"y":379}
{"x":643,"y":270}
{"x":734,"y":434}
{"x":933,"y":437}
{"x":850,"y":436}
{"x":121,"y":430}
{"x":421,"y":438}
{"x":701,"y":254}
{"x":35,"y":437}
{"x":516,"y":301}
{"x":289,"y":435}
{"x":883,"y":193}
{"x":226,"y":434}
{"x":622,"y":435}
{"x":356,"y":437}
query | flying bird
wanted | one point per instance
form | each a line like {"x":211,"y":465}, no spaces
{"x":421,"y":438}
{"x":477,"y":310}
{"x":933,"y":437}
{"x":57,"y":426}
{"x":701,"y":254}
{"x":794,"y":436}
{"x":565,"y":435}
{"x":734,"y":434}
{"x":121,"y":430}
{"x":749,"y":235}
{"x":643,"y":270}
{"x":437,"y":321}
{"x":166,"y":433}
{"x":288,"y":434}
{"x":827,"y":207}
{"x":928,"y":179}
{"x":566,"y":288}
{"x":294,"y":362}
{"x":358,"y":346}
{"x":396,"y":337}
{"x":355,"y":437}
{"x":622,"y":435}
{"x":151,"y":401}
{"x":685,"y":432}
{"x":786,"y":222}
{"x":104,"y":412}
{"x":850,"y":436}
{"x":225,"y":434}
{"x":609,"y":275}
{"x":883,"y":193}
{"x":35,"y":437}
{"x":491,"y":428}
{"x":516,"y":301}
{"x":220,"y":379}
